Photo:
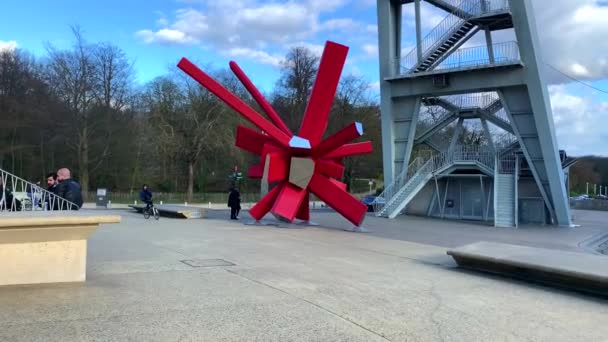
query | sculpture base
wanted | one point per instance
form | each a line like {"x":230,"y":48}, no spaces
{"x":357,"y":229}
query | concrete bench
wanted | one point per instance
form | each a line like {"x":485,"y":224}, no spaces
{"x":46,"y":249}
{"x":577,"y":271}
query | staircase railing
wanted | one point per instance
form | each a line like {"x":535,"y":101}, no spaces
{"x":480,"y":155}
{"x":478,"y":100}
{"x":391,"y":190}
{"x":441,"y":32}
{"x":17,"y":194}
{"x":504,"y":140}
{"x":506,"y":164}
{"x":502,"y":115}
{"x":504,"y":53}
{"x":430,"y":119}
{"x":418,"y":171}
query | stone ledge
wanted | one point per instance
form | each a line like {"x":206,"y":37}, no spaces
{"x":577,"y":271}
{"x":49,"y":249}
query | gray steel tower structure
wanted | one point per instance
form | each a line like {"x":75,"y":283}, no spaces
{"x":467,"y":131}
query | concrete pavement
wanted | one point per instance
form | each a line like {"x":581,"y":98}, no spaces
{"x":311,"y":284}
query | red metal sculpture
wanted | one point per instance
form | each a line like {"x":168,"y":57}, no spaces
{"x":299,"y":164}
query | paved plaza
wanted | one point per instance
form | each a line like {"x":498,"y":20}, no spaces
{"x":221,"y":280}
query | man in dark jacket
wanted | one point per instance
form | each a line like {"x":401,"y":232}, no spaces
{"x":51,"y":181}
{"x":145,"y":195}
{"x":234,"y":202}
{"x":68,"y":188}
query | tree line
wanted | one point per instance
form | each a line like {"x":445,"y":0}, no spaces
{"x":81,"y":108}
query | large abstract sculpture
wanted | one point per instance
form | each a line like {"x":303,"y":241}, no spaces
{"x":298,"y":164}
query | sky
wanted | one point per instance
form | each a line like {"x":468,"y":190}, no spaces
{"x":258,"y":33}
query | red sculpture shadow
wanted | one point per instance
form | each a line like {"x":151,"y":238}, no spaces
{"x":299,"y":164}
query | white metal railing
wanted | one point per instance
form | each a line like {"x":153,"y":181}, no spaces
{"x":428,"y":120}
{"x":391,"y":190}
{"x":484,"y":7}
{"x":503,"y":140}
{"x":504,"y":53}
{"x":479,"y":154}
{"x":502,"y":115}
{"x":420,"y":168}
{"x":18,"y":194}
{"x":506,"y":164}
{"x":493,"y":6}
{"x":449,"y":25}
{"x":477,"y":100}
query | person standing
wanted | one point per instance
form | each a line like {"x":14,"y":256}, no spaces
{"x":234,"y":202}
{"x":51,"y":182}
{"x":68,"y":188}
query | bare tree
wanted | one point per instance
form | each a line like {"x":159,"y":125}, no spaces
{"x":299,"y":70}
{"x":72,"y":76}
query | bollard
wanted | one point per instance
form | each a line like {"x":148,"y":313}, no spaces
{"x":161,"y":202}
{"x":185,"y":204}
{"x":109,"y":205}
{"x":209,"y":205}
{"x":134,"y":202}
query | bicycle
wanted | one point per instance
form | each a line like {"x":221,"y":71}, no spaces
{"x":151,"y":210}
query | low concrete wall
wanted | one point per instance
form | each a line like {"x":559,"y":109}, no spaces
{"x":590,"y":204}
{"x":52,"y":249}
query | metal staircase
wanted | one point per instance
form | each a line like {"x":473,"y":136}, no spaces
{"x":505,"y":193}
{"x":451,"y":33}
{"x":432,"y":56}
{"x":398,"y":194}
{"x":17,"y":194}
{"x":431,"y":125}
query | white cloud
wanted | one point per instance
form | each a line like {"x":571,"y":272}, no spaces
{"x":573,"y":36}
{"x":164,"y":36}
{"x":247,"y":24}
{"x":375,"y":86}
{"x":578,"y":122}
{"x":371,"y":29}
{"x":8,"y":45}
{"x":342,"y":24}
{"x":371,"y":50}
{"x":257,"y":55}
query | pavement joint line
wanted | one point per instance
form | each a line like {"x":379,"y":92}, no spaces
{"x":311,"y":303}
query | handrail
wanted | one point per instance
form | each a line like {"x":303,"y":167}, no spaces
{"x":477,"y":100}
{"x":391,"y":190}
{"x":438,"y":34}
{"x":504,"y":140}
{"x":502,"y":115}
{"x":506,"y":164}
{"x":504,"y":53}
{"x":33,"y":197}
{"x":451,"y":23}
{"x":480,"y":155}
{"x":428,"y":121}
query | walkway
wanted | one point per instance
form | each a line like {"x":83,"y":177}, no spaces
{"x":312,"y":284}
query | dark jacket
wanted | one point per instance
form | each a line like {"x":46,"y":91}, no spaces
{"x":145,"y":196}
{"x":70,"y":190}
{"x":234,"y":199}
{"x":52,"y":188}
